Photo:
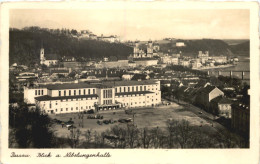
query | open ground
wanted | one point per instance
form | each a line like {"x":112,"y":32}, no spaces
{"x":149,"y":117}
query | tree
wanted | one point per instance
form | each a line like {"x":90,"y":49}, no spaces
{"x":226,"y":139}
{"x":88,"y":135}
{"x":132,"y":135}
{"x":32,"y":129}
{"x":73,"y":137}
{"x":119,"y":134}
{"x":74,"y":32}
{"x":171,"y":127}
{"x":146,"y":138}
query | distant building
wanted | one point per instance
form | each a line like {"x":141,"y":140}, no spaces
{"x":113,"y":64}
{"x":180,"y":44}
{"x":48,"y":59}
{"x":111,"y":39}
{"x":64,"y":72}
{"x":220,"y":59}
{"x":196,"y":64}
{"x":140,"y":53}
{"x":26,"y":76}
{"x":127,"y":76}
{"x":74,"y":65}
{"x":185,"y":63}
{"x":146,"y":62}
{"x":170,"y":60}
{"x":203,"y":56}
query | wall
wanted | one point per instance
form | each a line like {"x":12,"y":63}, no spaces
{"x":67,"y":106}
{"x":29,"y":94}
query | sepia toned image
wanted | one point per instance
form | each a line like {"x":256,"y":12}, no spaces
{"x":129,"y":82}
{"x":129,"y":79}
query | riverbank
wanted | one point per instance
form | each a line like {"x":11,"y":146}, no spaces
{"x":215,"y":67}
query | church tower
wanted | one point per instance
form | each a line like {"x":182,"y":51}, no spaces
{"x":136,"y":49}
{"x":42,"y":56}
{"x":150,"y":49}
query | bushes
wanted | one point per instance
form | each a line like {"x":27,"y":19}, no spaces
{"x":31,"y":129}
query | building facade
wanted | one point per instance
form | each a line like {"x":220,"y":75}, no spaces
{"x":240,"y":119}
{"x":79,"y":97}
{"x":206,"y":94}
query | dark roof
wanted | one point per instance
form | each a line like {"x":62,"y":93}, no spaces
{"x":60,"y":71}
{"x":103,"y":84}
{"x":132,"y":93}
{"x":130,"y":83}
{"x":222,"y":100}
{"x":69,"y":86}
{"x":47,"y":98}
{"x":144,"y":59}
{"x":51,"y":56}
{"x":208,"y":89}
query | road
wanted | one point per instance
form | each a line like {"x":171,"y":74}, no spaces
{"x":210,"y":118}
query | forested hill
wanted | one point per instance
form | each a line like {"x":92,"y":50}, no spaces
{"x":214,"y":46}
{"x":241,"y":48}
{"x":25,"y":46}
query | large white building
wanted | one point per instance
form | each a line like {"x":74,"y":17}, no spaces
{"x":78,"y":97}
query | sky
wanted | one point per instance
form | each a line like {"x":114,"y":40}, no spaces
{"x":137,"y":24}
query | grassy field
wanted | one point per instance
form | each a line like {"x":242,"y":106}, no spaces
{"x":144,"y":117}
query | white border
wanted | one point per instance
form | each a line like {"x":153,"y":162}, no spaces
{"x":236,"y":156}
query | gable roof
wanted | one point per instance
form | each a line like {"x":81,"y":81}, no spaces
{"x":208,"y":89}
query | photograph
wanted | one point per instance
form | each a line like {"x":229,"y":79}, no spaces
{"x":130,"y":78}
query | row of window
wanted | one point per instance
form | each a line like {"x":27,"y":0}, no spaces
{"x":107,"y":101}
{"x":75,"y":92}
{"x":126,"y":104}
{"x":107,"y":93}
{"x":78,"y":99}
{"x":39,"y":92}
{"x":71,"y":109}
{"x":132,"y":89}
{"x":133,"y":95}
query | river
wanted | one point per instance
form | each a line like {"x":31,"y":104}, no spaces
{"x":242,"y":65}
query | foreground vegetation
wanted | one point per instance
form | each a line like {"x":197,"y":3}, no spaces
{"x":31,"y":129}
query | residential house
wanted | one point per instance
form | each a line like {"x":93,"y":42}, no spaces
{"x":221,"y":106}
{"x":207,"y":94}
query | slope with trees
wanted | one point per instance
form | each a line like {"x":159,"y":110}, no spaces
{"x":25,"y":46}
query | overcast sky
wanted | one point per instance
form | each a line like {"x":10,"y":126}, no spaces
{"x":141,"y":24}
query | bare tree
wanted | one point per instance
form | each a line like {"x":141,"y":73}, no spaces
{"x":88,"y":135}
{"x":132,"y":135}
{"x":73,"y":137}
{"x":171,"y":128}
{"x":184,"y":133}
{"x":145,"y":137}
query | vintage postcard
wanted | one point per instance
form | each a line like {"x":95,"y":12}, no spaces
{"x":129,"y":82}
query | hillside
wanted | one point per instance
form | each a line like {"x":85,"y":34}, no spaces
{"x":235,"y":41}
{"x":25,"y":46}
{"x":241,"y":48}
{"x":215,"y":47}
